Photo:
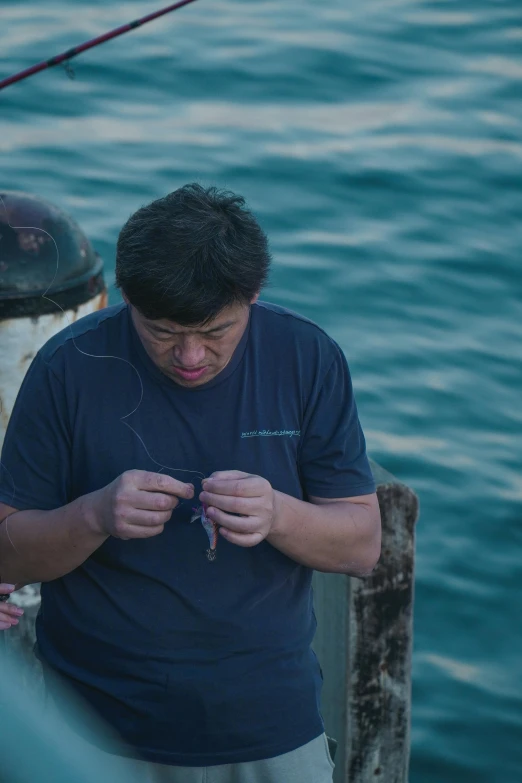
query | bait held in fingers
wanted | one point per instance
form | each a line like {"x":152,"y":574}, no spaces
{"x":211,"y":529}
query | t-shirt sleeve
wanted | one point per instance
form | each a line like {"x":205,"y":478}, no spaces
{"x":35,"y":460}
{"x":333,"y":460}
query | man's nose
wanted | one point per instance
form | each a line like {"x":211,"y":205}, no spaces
{"x":189,"y":352}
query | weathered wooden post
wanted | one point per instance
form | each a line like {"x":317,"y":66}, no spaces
{"x":364,"y":644}
{"x":49,"y":277}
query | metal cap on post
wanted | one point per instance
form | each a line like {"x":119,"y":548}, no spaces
{"x":44,"y":255}
{"x":49,"y":277}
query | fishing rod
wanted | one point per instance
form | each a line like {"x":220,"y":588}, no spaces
{"x":64,"y":57}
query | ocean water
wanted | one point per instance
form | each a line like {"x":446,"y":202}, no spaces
{"x":380,"y":145}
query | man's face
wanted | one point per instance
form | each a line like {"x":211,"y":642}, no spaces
{"x":192,"y":355}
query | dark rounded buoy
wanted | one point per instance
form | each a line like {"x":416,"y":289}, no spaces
{"x":35,"y":269}
{"x":44,"y":287}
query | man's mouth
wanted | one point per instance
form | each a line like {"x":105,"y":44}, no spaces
{"x":190,"y":375}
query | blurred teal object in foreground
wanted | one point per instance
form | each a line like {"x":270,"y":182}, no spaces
{"x":41,"y":744}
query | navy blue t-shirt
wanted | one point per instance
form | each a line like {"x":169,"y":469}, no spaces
{"x":195,"y":663}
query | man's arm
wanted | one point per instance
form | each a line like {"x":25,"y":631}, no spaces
{"x":341,"y":535}
{"x":333,"y":535}
{"x":39,"y":546}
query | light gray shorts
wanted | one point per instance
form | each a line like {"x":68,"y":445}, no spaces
{"x":311,"y":763}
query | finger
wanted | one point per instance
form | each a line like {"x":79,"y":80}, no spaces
{"x":6,"y":589}
{"x":228,"y":474}
{"x":152,"y":501}
{"x":160,"y":482}
{"x":244,"y":525}
{"x":7,"y":622}
{"x":11,"y":610}
{"x":134,"y":523}
{"x":230,"y":503}
{"x":251,"y":486}
{"x":137,"y":517}
{"x":141,"y":532}
{"x":241,"y":539}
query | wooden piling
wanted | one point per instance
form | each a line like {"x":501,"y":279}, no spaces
{"x":364,"y":643}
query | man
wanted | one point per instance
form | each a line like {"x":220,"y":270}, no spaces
{"x":191,"y":400}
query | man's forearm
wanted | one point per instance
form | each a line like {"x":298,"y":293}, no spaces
{"x":38,"y":546}
{"x":337,"y":536}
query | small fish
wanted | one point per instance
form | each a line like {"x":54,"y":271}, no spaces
{"x":211,"y":529}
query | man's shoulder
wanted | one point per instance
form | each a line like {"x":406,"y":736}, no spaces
{"x":289,"y":320}
{"x":290,"y":329}
{"x":80,"y":334}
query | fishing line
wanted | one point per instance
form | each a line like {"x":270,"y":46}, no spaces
{"x":95,"y":356}
{"x":64,"y":57}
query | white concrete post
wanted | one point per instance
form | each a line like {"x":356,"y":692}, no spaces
{"x":44,"y":256}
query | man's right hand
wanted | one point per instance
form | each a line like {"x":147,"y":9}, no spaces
{"x":137,"y":504}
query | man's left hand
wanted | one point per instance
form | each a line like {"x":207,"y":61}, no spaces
{"x":229,"y":492}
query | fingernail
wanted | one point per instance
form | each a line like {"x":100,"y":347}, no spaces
{"x":19,"y":611}
{"x":10,"y":587}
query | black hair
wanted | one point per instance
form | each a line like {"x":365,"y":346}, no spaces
{"x":188,"y":255}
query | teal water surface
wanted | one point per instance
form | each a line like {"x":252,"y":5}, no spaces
{"x":380,"y":144}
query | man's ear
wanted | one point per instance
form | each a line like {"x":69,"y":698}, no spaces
{"x":256,"y":297}
{"x":125,"y":298}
